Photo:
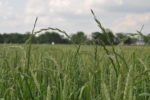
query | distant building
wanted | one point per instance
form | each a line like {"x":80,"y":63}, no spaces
{"x":53,"y":43}
{"x":140,"y":42}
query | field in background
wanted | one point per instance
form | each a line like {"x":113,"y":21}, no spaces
{"x":71,"y":72}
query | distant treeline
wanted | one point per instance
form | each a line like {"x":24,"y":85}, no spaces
{"x":107,"y":38}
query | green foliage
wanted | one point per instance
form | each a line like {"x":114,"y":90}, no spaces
{"x":55,"y":73}
{"x":49,"y":37}
{"x":14,"y":38}
{"x":79,"y":38}
{"x":103,"y":37}
{"x":126,"y":38}
{"x":145,"y":38}
{"x":46,"y":37}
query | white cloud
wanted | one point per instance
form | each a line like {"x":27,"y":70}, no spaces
{"x":131,"y":22}
{"x":74,"y":15}
{"x":5,"y":9}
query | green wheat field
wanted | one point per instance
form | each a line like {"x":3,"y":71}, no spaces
{"x":74,"y":72}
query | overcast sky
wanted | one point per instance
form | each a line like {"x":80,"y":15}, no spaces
{"x":75,"y":15}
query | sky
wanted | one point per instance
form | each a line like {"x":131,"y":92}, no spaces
{"x":74,"y":15}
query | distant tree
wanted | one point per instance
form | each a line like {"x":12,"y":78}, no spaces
{"x":107,"y":38}
{"x":65,"y":41}
{"x":27,"y":35}
{"x":125,"y":38}
{"x":13,"y":38}
{"x":96,"y":35}
{"x":79,"y":38}
{"x":49,"y":37}
{"x":146,"y":39}
{"x":110,"y":37}
{"x":1,"y":38}
{"x":130,"y":40}
{"x":16,"y":38}
{"x":121,"y":38}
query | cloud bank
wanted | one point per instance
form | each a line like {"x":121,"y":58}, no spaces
{"x":74,"y":15}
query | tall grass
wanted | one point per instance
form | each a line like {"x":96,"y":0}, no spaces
{"x":71,"y":72}
{"x":56,"y":73}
